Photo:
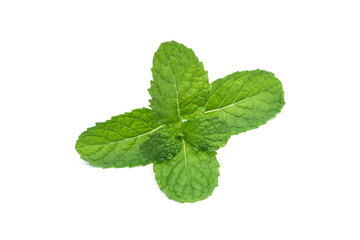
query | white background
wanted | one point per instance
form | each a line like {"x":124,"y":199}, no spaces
{"x":65,"y":65}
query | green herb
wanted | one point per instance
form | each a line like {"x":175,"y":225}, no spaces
{"x":190,"y":119}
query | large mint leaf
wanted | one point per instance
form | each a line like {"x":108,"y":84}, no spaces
{"x":180,"y":85}
{"x":190,"y":176}
{"x":246,"y":99}
{"x":115,"y":143}
{"x":161,"y":145}
{"x":206,"y":134}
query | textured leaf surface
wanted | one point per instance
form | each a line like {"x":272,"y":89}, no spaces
{"x":115,"y":143}
{"x":190,"y":176}
{"x":246,"y":99}
{"x":161,"y":145}
{"x":206,"y":134}
{"x":180,"y":87}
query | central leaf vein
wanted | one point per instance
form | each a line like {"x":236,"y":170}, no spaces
{"x":185,"y":161}
{"x":176,"y":91}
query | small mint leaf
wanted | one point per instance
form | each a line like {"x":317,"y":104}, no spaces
{"x":206,"y":134}
{"x":161,"y":145}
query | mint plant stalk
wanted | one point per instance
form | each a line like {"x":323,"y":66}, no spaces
{"x":188,"y":121}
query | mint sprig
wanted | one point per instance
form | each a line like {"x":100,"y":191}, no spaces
{"x":190,"y":119}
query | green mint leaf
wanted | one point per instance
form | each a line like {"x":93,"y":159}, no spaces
{"x":245,"y":99}
{"x":161,"y":145}
{"x":115,"y":143}
{"x":180,"y":85}
{"x":183,"y":152}
{"x":206,"y":134}
{"x":190,"y":176}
